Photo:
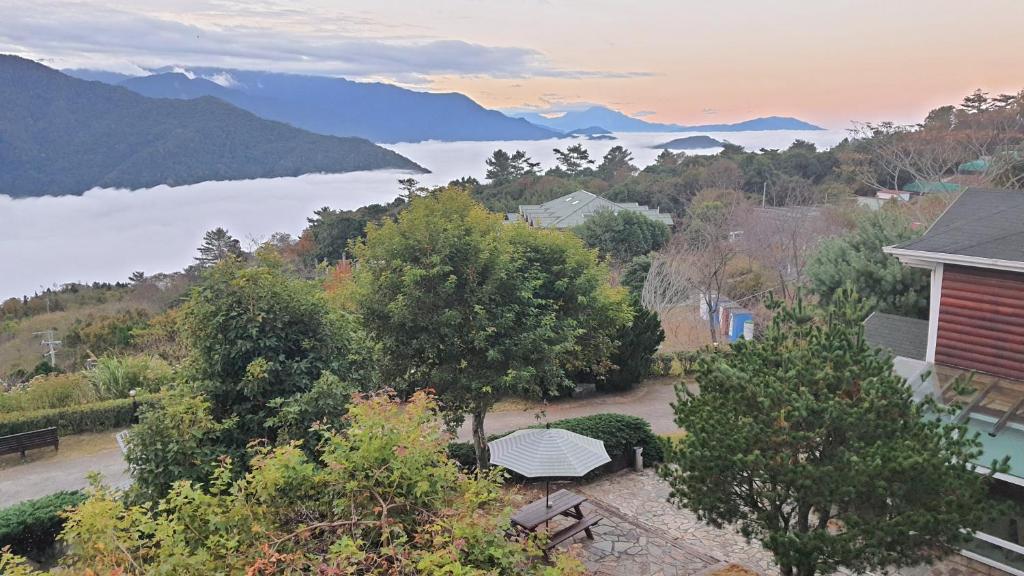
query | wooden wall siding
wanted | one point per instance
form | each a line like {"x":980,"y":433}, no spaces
{"x":981,"y":321}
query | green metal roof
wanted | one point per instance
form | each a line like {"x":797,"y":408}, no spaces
{"x":926,"y":187}
{"x":979,"y":165}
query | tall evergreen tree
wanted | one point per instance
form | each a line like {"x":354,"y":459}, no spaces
{"x":217,"y":246}
{"x":574,"y":160}
{"x":807,"y":441}
{"x":616,"y":166}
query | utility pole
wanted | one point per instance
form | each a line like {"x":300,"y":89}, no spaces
{"x":50,"y":344}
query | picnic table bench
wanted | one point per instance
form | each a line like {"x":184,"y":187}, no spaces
{"x":562,"y":503}
{"x":28,"y":441}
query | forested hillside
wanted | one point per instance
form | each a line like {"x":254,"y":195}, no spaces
{"x":62,"y":135}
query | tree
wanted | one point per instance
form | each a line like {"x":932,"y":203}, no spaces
{"x":616,"y":166}
{"x":256,"y":335}
{"x":623,"y":235}
{"x":410,"y":188}
{"x":330,"y":231}
{"x":694,"y":266}
{"x":380,"y":498}
{"x":808,"y":442}
{"x":635,"y":274}
{"x":218,"y":245}
{"x":137,"y":277}
{"x":637,"y":344}
{"x":574,"y":160}
{"x":503,"y":168}
{"x":857,"y":261}
{"x":783,"y":240}
{"x":459,"y":302}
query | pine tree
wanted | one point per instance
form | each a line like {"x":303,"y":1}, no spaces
{"x":574,"y":160}
{"x":808,"y":442}
{"x":218,"y":245}
{"x":857,"y":261}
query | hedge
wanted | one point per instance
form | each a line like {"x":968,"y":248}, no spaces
{"x":92,"y":417}
{"x":619,"y":432}
{"x":30,"y":528}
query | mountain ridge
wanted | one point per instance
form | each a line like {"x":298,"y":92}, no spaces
{"x":63,"y":136}
{"x":615,"y":121}
{"x":377,"y":111}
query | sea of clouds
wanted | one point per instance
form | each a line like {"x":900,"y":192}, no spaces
{"x":106,"y":234}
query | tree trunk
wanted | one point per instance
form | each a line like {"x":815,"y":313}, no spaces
{"x":806,"y":570}
{"x":479,"y":438}
{"x":711,"y":324}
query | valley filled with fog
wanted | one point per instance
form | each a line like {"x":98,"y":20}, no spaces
{"x":106,"y":234}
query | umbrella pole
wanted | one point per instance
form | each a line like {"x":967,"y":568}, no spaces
{"x":547,"y":492}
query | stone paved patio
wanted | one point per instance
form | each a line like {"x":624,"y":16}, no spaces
{"x":644,"y":498}
{"x":622,"y":547}
{"x":642,"y":534}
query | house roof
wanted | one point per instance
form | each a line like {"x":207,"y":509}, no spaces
{"x":982,"y":223}
{"x":906,"y":337}
{"x":572,"y":209}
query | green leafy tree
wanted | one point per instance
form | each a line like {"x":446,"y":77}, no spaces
{"x":623,"y":235}
{"x":254,"y":335}
{"x":218,"y":245}
{"x":461,"y":303}
{"x":807,"y":441}
{"x":330,"y":231}
{"x":574,"y":160}
{"x":379,"y":499}
{"x":857,"y":261}
{"x":617,"y":165}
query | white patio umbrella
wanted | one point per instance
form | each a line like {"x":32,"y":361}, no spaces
{"x":548,"y":453}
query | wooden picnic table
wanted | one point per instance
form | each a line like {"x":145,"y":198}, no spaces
{"x":563,"y":503}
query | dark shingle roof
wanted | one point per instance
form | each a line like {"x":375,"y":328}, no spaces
{"x":982,"y":222}
{"x":907,"y":337}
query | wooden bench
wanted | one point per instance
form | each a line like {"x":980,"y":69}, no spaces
{"x":29,"y":441}
{"x":582,"y":525}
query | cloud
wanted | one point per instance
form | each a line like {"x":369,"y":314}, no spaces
{"x":223,"y":78}
{"x":261,"y":35}
{"x":105,"y":235}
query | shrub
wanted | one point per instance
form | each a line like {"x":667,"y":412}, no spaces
{"x":30,"y":528}
{"x":114,"y":377}
{"x":49,"y":391}
{"x":94,"y":417}
{"x":634,"y":355}
{"x":179,"y":440}
{"x":619,"y":432}
{"x":463,"y":453}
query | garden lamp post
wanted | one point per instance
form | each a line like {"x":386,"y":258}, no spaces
{"x":135,"y":407}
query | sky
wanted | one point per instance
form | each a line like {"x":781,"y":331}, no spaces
{"x":687,"y":61}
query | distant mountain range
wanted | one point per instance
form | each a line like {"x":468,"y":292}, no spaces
{"x":615,"y":121}
{"x":64,"y":135}
{"x":335,"y":106}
